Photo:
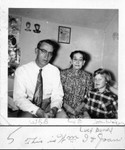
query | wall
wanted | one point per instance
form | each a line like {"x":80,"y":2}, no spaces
{"x":90,"y":40}
{"x":86,"y":39}
{"x":110,"y":52}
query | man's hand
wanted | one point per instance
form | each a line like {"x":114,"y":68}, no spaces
{"x":40,"y":113}
{"x":49,"y":114}
{"x":52,"y":113}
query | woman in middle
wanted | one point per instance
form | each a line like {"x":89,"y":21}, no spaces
{"x":76,"y":82}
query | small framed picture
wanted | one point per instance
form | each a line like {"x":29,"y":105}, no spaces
{"x":64,"y":34}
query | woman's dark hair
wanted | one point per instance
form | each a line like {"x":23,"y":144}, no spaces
{"x":85,"y":55}
{"x":81,"y":52}
{"x":106,"y":73}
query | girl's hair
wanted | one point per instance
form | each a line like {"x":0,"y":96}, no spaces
{"x":106,"y":74}
{"x":81,"y":52}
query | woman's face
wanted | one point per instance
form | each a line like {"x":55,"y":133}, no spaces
{"x":77,"y":61}
{"x":100,"y":81}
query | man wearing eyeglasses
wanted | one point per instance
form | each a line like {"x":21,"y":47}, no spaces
{"x":25,"y":85}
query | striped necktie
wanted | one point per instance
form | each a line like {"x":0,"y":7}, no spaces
{"x":38,"y":94}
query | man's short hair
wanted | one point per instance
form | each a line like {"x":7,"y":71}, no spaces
{"x":53,"y":43}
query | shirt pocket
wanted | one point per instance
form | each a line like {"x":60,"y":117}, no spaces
{"x":47,"y":92}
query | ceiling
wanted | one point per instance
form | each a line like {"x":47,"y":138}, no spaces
{"x":90,"y":18}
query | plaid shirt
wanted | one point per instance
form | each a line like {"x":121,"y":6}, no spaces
{"x":101,"y":105}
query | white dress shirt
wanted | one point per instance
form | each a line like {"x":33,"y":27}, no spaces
{"x":25,"y":84}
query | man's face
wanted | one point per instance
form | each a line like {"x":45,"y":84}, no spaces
{"x":44,"y":54}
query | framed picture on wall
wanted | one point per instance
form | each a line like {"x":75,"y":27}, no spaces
{"x":64,"y":34}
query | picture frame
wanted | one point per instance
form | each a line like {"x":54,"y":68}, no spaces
{"x":64,"y":34}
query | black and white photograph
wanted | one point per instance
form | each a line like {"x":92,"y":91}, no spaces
{"x":83,"y":82}
{"x":62,"y":75}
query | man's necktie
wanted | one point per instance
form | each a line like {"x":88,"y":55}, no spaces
{"x":38,"y":94}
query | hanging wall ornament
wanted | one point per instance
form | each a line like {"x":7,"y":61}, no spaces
{"x":28,"y":26}
{"x":13,"y":44}
{"x":37,"y":28}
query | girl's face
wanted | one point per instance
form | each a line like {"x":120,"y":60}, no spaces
{"x":100,"y":82}
{"x":77,"y":61}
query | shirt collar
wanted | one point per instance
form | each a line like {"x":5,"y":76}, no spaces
{"x":105,"y":91}
{"x":72,"y":71}
{"x":37,"y":67}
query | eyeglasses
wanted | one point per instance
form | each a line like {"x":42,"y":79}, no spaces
{"x":45,"y":52}
{"x":80,"y":60}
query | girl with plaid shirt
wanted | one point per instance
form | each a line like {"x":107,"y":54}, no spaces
{"x":101,"y":102}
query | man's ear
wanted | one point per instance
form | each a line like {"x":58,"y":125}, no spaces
{"x":36,"y":50}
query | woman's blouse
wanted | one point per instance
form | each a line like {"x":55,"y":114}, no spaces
{"x":75,"y":87}
{"x":102,"y":105}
